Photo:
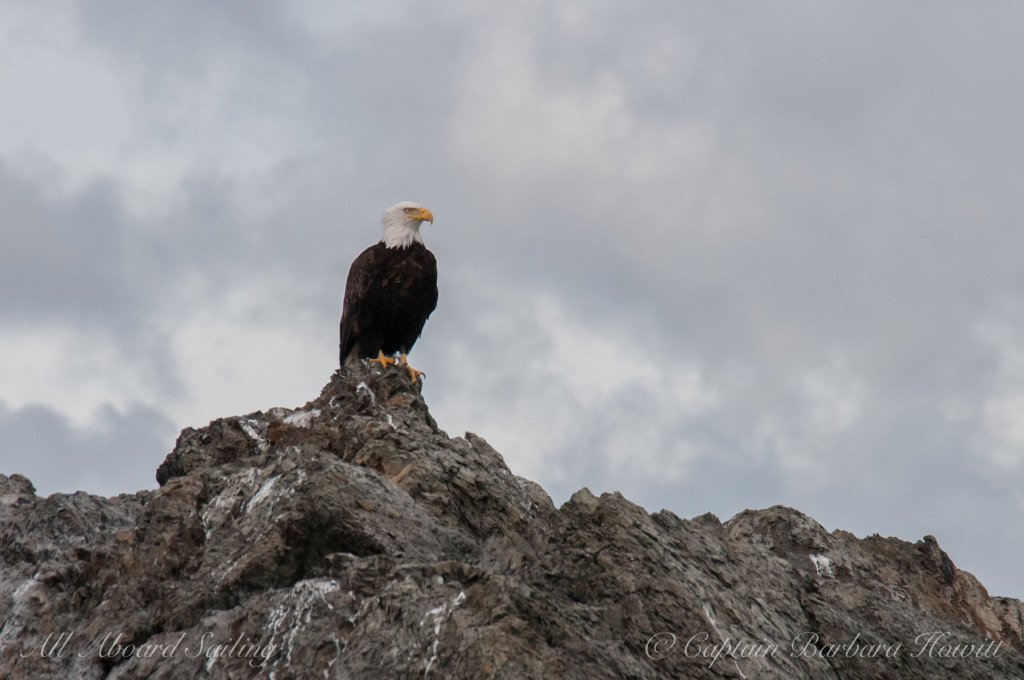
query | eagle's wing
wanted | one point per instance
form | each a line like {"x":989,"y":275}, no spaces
{"x":356,"y":314}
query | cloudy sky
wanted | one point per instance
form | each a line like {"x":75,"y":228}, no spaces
{"x":716,"y":256}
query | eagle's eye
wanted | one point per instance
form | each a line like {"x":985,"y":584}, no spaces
{"x":408,"y":211}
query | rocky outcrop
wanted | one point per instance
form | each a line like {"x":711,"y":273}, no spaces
{"x":351,"y":538}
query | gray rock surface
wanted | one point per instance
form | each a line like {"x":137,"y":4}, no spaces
{"x":351,"y":538}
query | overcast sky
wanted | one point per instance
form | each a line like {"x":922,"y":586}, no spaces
{"x":715,"y":256}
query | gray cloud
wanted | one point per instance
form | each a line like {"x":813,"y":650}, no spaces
{"x":52,"y":263}
{"x":714,"y":259}
{"x":119,"y":454}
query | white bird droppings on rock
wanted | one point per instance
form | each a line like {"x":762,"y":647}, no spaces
{"x":440,"y":614}
{"x":362,"y":389}
{"x":249,"y":427}
{"x":822,"y":565}
{"x":302,"y":418}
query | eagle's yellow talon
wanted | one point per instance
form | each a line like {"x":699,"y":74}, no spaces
{"x":384,"y":361}
{"x":413,"y":373}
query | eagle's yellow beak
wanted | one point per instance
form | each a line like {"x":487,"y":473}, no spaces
{"x":425,"y":215}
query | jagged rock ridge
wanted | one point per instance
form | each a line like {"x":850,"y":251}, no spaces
{"x":351,"y":538}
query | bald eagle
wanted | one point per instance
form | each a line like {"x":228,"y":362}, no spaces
{"x":390,"y":292}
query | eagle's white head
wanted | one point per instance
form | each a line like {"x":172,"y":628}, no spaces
{"x":401,"y":223}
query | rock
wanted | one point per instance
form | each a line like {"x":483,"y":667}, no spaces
{"x":351,"y":538}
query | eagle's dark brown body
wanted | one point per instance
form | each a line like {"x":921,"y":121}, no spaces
{"x":389,"y":294}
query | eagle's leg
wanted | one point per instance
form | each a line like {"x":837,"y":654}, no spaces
{"x":384,"y":361}
{"x":413,"y":373}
